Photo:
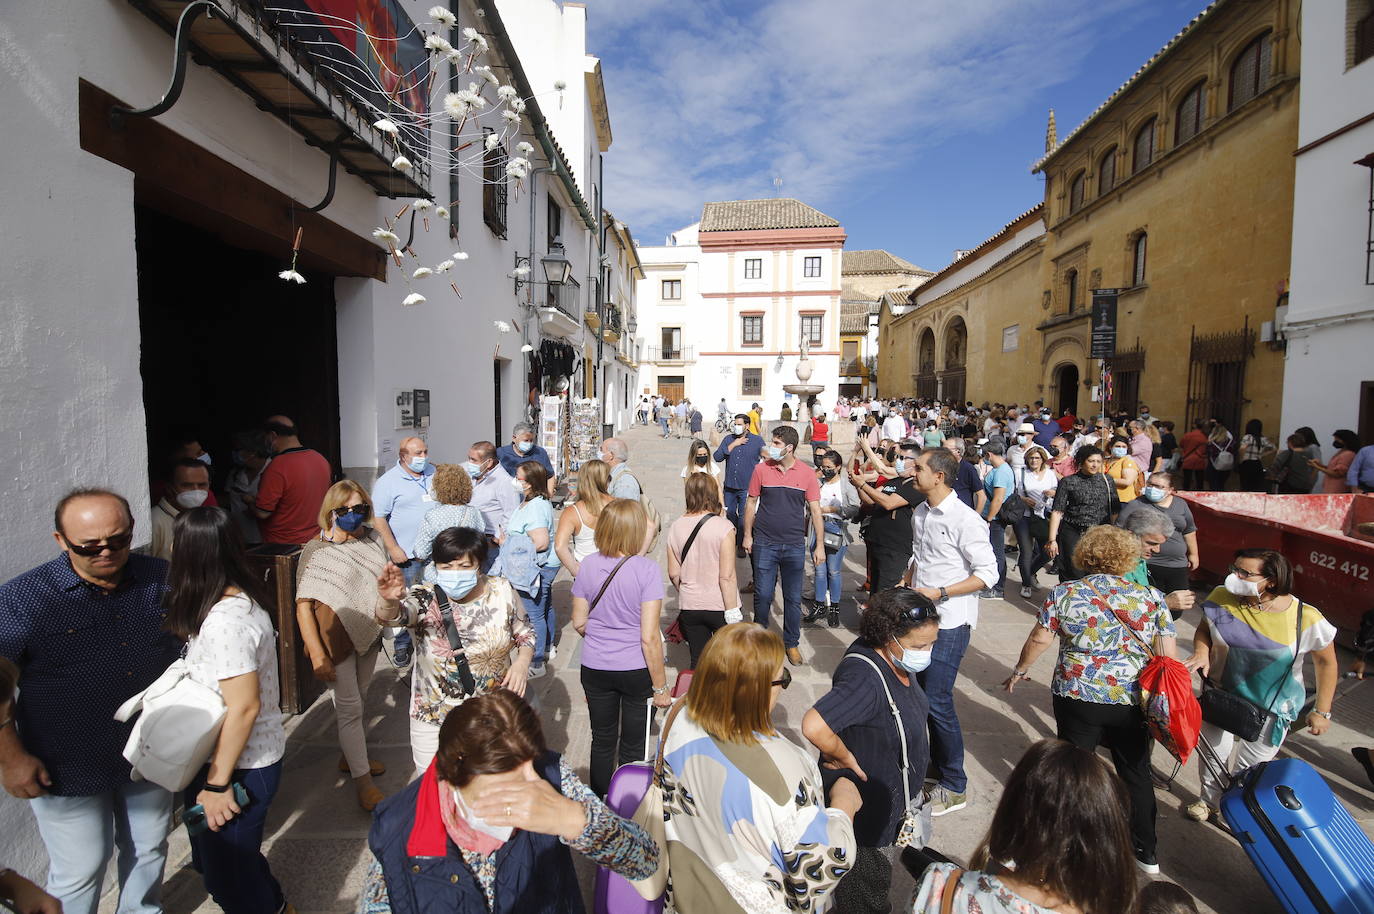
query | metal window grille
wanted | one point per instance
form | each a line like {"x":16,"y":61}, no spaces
{"x":1106,"y":172}
{"x":494,"y":188}
{"x":751,"y":382}
{"x":1189,"y":115}
{"x":1216,"y":374}
{"x":813,"y":329}
{"x":751,"y":330}
{"x":1250,"y":72}
{"x":1144,"y":147}
{"x":1127,"y":366}
{"x":1076,"y":192}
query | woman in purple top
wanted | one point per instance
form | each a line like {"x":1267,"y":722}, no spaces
{"x":622,"y":656}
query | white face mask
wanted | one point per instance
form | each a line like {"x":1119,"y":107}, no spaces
{"x":518,"y":485}
{"x":501,"y":833}
{"x":739,"y":429}
{"x":192,"y":498}
{"x":1240,"y":587}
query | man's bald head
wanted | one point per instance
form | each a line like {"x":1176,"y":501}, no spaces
{"x":411,"y":446}
{"x":100,"y":505}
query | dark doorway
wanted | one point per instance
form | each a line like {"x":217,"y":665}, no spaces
{"x":225,"y":343}
{"x":1066,"y":382}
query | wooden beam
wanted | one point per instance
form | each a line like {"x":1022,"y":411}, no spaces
{"x":177,"y":177}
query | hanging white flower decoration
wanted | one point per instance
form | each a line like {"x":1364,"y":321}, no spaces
{"x":459,"y":104}
{"x":421,"y":273}
{"x":443,"y":266}
{"x":385,"y":235}
{"x":478,"y":41}
{"x":386,"y":126}
{"x":422,"y":205}
{"x":414,"y":298}
{"x":518,"y":167}
{"x":492,"y":141}
{"x":291,"y":276}
{"x":487,"y":74}
{"x":511,"y":116}
{"x":401,"y":163}
{"x":519,"y":273}
{"x":441,"y":212}
{"x":437,"y":45}
{"x":502,"y":326}
{"x":443,"y":17}
{"x":460,"y":255}
{"x":517,"y":105}
{"x":524,"y":148}
{"x":506,"y":93}
{"x":560,"y":85}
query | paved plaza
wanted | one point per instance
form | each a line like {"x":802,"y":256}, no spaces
{"x":317,"y":834}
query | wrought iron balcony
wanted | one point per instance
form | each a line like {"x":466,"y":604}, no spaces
{"x":564,"y":297}
{"x":679,"y":355}
{"x":612,"y":330}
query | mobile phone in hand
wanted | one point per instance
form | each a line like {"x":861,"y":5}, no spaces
{"x":194,"y":817}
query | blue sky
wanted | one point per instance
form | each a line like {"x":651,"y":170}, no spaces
{"x":913,"y":122}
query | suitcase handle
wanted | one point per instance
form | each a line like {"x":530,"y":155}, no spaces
{"x":1287,"y":797}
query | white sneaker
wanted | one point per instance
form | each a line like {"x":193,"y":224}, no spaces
{"x":1026,"y":592}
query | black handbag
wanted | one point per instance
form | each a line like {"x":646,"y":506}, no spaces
{"x":1241,"y":716}
{"x":1013,"y":508}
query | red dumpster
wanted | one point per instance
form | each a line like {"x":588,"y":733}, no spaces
{"x":1328,"y":538}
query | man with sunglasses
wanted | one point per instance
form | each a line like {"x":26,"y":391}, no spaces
{"x":86,"y":631}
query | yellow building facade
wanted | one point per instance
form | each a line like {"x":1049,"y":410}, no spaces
{"x":1178,"y":191}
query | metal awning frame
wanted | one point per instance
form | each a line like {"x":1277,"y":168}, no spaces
{"x":322,"y":116}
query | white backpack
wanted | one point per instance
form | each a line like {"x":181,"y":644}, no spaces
{"x":176,"y":730}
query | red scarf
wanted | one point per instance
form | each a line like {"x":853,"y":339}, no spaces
{"x":437,"y":820}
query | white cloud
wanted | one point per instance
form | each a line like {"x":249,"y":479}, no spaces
{"x":714,"y":100}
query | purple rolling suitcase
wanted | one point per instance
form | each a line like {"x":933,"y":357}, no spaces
{"x":1314,"y":856}
{"x":614,"y":895}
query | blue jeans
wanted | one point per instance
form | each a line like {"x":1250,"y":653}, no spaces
{"x":540,"y":610}
{"x":400,"y":643}
{"x":828,"y":582}
{"x":664,"y":424}
{"x":997,"y":535}
{"x":734,"y":510}
{"x":770,"y":560}
{"x":946,"y":739}
{"x":81,"y":833}
{"x":230,"y":860}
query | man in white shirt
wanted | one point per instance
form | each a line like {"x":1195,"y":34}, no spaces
{"x":1025,"y":440}
{"x":894,"y":426}
{"x":951,"y":561}
{"x":492,"y":493}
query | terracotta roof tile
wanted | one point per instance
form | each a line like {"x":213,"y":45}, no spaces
{"x":878,"y":261}
{"x":750,"y":215}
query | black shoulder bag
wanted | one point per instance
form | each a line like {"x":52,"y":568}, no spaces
{"x":674,"y":633}
{"x":455,"y":642}
{"x":1241,"y":716}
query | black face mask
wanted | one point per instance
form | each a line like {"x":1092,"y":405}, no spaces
{"x":829,"y":474}
{"x":701,"y":460}
{"x":1054,"y":451}
{"x":890,"y":456}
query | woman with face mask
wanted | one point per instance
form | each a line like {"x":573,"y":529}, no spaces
{"x":1247,"y":621}
{"x":1345,"y":444}
{"x":451,"y":488}
{"x":491,"y":823}
{"x":1169,"y":568}
{"x":839,"y":505}
{"x":699,"y":461}
{"x":534,"y":518}
{"x":1122,"y":469}
{"x":464,"y":626}
{"x":1104,"y":623}
{"x":854,"y":728}
{"x":336,"y":611}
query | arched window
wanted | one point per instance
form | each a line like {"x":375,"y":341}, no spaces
{"x":1106,"y":172}
{"x":1138,"y":260}
{"x":1076,"y":192}
{"x":1189,"y":114}
{"x":1250,"y":72}
{"x":1144,"y":148}
{"x":1071,"y":290}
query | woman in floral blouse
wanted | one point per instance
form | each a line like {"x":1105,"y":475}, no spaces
{"x":490,"y":622}
{"x":489,"y":826}
{"x":1106,"y":628}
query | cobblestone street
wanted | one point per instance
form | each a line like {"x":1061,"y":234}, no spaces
{"x":317,"y":834}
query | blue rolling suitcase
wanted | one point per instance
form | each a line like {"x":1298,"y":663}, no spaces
{"x":1311,"y":852}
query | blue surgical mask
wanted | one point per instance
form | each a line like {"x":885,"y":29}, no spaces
{"x":912,"y":660}
{"x":457,"y":584}
{"x":417,"y":464}
{"x":524,"y":447}
{"x":774,"y":453}
{"x":1153,"y":493}
{"x":1118,"y":452}
{"x":473,"y":469}
{"x":349,"y":522}
{"x":900,"y":466}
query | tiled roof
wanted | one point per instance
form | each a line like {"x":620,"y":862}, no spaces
{"x":877,"y":261}
{"x":751,"y":215}
{"x":1158,"y":55}
{"x":854,"y":318}
{"x":981,"y":249}
{"x":848,"y":293}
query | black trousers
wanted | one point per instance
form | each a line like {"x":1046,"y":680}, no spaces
{"x":1121,"y":728}
{"x":698,"y":625}
{"x":1069,"y":536}
{"x":865,"y":888}
{"x":618,"y":705}
{"x":887,"y":564}
{"x":1251,"y":476}
{"x":1169,"y":579}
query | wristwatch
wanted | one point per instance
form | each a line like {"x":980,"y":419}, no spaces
{"x":944,"y":594}
{"x":661,"y":690}
{"x":1326,"y":714}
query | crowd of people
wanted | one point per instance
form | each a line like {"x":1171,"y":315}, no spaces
{"x":453,"y":566}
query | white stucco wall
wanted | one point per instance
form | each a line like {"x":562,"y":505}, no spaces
{"x":1330,"y":321}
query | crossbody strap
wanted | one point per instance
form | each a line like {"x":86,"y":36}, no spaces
{"x":951,"y":889}
{"x":455,"y":642}
{"x":1149,"y":648}
{"x":897,"y":719}
{"x":692,"y":537}
{"x":606,"y":583}
{"x":663,"y":734}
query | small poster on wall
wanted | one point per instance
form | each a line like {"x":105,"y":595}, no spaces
{"x":421,"y":408}
{"x":405,"y":409}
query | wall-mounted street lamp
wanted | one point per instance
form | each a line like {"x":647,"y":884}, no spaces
{"x":557,"y":268}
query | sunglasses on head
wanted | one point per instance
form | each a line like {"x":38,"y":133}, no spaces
{"x":786,"y":679}
{"x":923,"y":614}
{"x":362,"y":511}
{"x":117,"y":543}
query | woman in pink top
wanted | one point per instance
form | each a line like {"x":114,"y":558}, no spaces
{"x":1346,"y":444}
{"x":704,"y":574}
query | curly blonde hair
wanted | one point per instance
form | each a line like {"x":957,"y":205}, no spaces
{"x":1107,"y":550}
{"x":451,"y":483}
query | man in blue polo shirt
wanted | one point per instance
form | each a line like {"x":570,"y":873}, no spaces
{"x":522,"y":448}
{"x":739,"y":451}
{"x":784,"y":498}
{"x":400,"y":500}
{"x":86,"y":631}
